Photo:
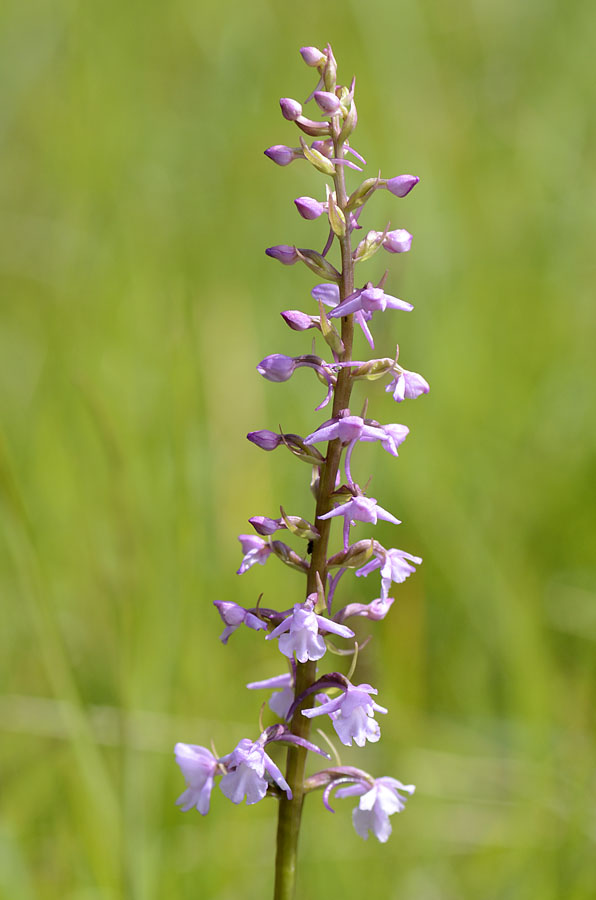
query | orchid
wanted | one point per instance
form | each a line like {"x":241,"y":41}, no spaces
{"x":309,"y":626}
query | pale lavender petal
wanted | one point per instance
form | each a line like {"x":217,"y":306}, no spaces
{"x":329,"y":625}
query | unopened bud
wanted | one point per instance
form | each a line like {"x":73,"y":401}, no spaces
{"x":309,"y":208}
{"x":312,"y":56}
{"x":299,"y":321}
{"x":290,"y":109}
{"x":323,"y":147}
{"x":263,"y":525}
{"x":327,"y":102}
{"x":277,"y":367}
{"x":284,"y":254}
{"x":266,"y":440}
{"x":282,"y":155}
{"x":401,"y":184}
{"x":398,"y":241}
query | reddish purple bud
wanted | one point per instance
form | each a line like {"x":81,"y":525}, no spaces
{"x":401,"y":184}
{"x":298,"y":321}
{"x":290,"y":109}
{"x":282,"y":155}
{"x":309,"y":208}
{"x":327,"y":102}
{"x":266,"y":440}
{"x":277,"y":367}
{"x":312,"y":56}
{"x":284,"y":253}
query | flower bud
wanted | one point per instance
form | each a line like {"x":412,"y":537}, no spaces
{"x":398,"y":241}
{"x":290,"y":109}
{"x":312,"y":56}
{"x":309,"y":208}
{"x":325,"y":148}
{"x":299,"y":321}
{"x":282,"y":155}
{"x":264,"y":525}
{"x":401,"y":184}
{"x":266,"y":440}
{"x":284,"y":253}
{"x":277,"y":367}
{"x":327,"y":102}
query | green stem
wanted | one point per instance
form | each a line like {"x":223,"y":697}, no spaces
{"x":290,"y":811}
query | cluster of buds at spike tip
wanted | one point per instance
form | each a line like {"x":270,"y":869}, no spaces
{"x":304,"y":627}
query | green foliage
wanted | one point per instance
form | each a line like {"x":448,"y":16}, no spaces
{"x":136,"y":301}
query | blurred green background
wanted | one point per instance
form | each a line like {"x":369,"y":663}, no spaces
{"x":136,"y":300}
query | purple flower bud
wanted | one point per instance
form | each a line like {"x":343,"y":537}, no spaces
{"x":266,"y":440}
{"x":298,"y":321}
{"x":398,"y":241}
{"x":284,"y":253}
{"x":327,"y":102}
{"x":312,"y":56}
{"x":290,"y":109}
{"x":309,"y":208}
{"x":265,"y":526}
{"x":282,"y":155}
{"x":401,"y":184}
{"x":324,"y":147}
{"x":277,"y":367}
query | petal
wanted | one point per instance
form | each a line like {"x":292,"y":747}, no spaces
{"x":277,"y":681}
{"x":334,"y":627}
